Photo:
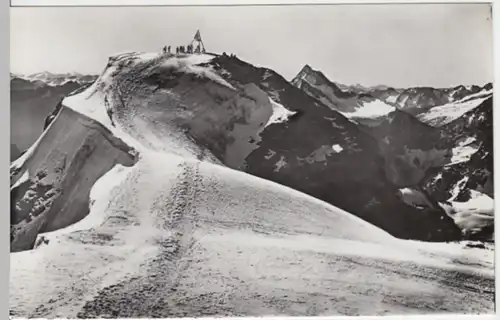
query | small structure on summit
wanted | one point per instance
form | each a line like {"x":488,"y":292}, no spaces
{"x":197,"y":43}
{"x":196,"y":46}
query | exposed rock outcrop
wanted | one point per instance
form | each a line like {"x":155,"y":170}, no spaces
{"x":50,"y":184}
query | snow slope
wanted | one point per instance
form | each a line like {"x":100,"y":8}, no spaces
{"x":463,"y":151}
{"x":177,"y":234}
{"x":472,"y":215}
{"x":280,"y":113}
{"x":223,"y":240}
{"x":371,"y":109}
{"x":441,"y":115}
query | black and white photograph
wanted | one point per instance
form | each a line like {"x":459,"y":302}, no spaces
{"x":251,"y":161}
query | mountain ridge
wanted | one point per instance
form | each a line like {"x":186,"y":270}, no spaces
{"x":160,"y":212}
{"x":418,"y":141}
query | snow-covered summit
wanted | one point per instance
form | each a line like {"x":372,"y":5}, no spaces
{"x":193,"y":95}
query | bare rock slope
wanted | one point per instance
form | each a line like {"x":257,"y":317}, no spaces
{"x":50,"y":183}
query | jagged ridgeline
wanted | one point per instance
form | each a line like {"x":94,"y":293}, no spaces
{"x":436,"y":143}
{"x":338,"y":146}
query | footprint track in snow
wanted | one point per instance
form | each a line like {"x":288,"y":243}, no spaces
{"x":174,"y":212}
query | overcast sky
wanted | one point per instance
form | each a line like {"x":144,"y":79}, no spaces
{"x":401,"y":45}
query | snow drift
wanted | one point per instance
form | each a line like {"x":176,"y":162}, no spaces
{"x":472,"y":215}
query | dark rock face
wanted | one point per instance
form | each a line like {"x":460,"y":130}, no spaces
{"x":50,"y":189}
{"x":440,"y":175}
{"x":420,"y":156}
{"x":417,"y":155}
{"x":317,"y":78}
{"x":408,"y":146}
{"x":317,"y":85}
{"x":476,"y":124}
{"x":299,"y":153}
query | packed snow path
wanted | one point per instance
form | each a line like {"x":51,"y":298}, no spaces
{"x":181,"y":242}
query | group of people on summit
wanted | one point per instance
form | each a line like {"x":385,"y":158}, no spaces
{"x":184,"y":49}
{"x":190,"y":48}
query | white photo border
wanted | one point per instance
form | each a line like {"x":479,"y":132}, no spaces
{"x":5,"y":102}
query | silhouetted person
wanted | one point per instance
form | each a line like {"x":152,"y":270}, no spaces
{"x":168,"y":49}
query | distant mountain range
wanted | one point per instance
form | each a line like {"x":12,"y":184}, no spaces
{"x":348,"y":98}
{"x":33,"y":97}
{"x":56,"y":79}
